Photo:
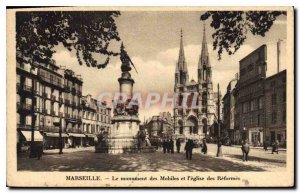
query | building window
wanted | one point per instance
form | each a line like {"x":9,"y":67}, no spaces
{"x":252,"y":105}
{"x":272,"y":84}
{"x":243,"y":71}
{"x":250,"y":67}
{"x":260,"y":103}
{"x":274,"y":99}
{"x":244,"y":107}
{"x":258,"y":120}
{"x":274,"y":117}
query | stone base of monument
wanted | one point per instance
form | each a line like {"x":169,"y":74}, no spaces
{"x":123,"y":137}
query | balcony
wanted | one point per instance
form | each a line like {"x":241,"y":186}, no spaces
{"x":24,"y":127}
{"x":61,"y":100}
{"x":49,"y":129}
{"x":60,"y":114}
{"x":53,"y":97}
{"x":23,"y":107}
{"x":24,"y":88}
{"x":68,"y":116}
{"x":67,"y":102}
{"x":67,"y":88}
{"x":52,"y":112}
{"x":73,"y":90}
{"x":45,"y":95}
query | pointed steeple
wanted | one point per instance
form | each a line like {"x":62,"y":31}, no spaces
{"x":181,"y":58}
{"x":204,"y":58}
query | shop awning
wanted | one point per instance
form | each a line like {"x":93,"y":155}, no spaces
{"x":55,"y":134}
{"x":37,"y":135}
{"x":91,"y":135}
{"x":76,"y":135}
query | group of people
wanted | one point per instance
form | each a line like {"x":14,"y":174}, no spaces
{"x":275,"y":146}
{"x":168,"y":145}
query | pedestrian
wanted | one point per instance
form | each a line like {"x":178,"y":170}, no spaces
{"x":189,"y":149}
{"x":178,"y":144}
{"x":275,"y":146}
{"x":168,"y":146}
{"x":204,"y":147}
{"x":164,"y":144}
{"x":171,"y":145}
{"x":265,"y":145}
{"x":245,"y":150}
{"x":39,"y":151}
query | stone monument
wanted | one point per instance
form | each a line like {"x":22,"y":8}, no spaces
{"x":123,"y":135}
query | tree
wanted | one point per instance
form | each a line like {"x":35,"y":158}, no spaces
{"x":231,"y":27}
{"x":86,"y":32}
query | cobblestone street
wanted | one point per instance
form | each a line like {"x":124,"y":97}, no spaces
{"x":86,"y":160}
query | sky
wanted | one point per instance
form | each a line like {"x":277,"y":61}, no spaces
{"x":152,"y":41}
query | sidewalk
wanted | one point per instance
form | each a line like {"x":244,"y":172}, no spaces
{"x":262,"y":148}
{"x":69,"y":150}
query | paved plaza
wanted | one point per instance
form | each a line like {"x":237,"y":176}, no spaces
{"x":85,"y":159}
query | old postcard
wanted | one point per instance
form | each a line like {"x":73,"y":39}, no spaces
{"x":150,"y":97}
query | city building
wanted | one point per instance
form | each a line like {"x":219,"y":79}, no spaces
{"x":95,"y":118}
{"x":49,"y":99}
{"x":39,"y":102}
{"x":73,"y":108}
{"x":229,"y":111}
{"x":250,"y":97}
{"x":160,"y":125}
{"x":275,"y":108}
{"x":194,"y":111}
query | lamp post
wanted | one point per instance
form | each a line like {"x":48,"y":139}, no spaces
{"x":219,"y":151}
{"x":58,"y":124}
{"x":32,"y":145}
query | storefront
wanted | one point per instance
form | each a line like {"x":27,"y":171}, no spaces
{"x":90,"y":139}
{"x":24,"y":140}
{"x":256,"y":136}
{"x":76,"y":140}
{"x":51,"y":140}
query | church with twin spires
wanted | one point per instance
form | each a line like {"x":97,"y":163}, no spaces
{"x":194,"y":121}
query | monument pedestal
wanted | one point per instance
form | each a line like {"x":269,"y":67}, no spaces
{"x":123,"y":134}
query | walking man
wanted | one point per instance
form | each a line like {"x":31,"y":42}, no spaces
{"x":164,"y":144}
{"x":189,"y":149}
{"x":245,"y":150}
{"x":39,"y":151}
{"x":204,"y":147}
{"x":275,"y":146}
{"x":172,"y":145}
{"x":178,"y":144}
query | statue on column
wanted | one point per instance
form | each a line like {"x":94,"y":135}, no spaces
{"x":126,"y":61}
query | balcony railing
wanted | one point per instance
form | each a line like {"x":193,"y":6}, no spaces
{"x":24,"y":87}
{"x":45,"y":95}
{"x":53,"y":97}
{"x":53,"y":113}
{"x":24,"y":126}
{"x":49,"y":129}
{"x":23,"y":106}
{"x":61,"y":114}
{"x":67,"y":102}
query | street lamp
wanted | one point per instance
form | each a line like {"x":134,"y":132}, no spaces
{"x":58,"y":124}
{"x":219,"y":144}
{"x":32,"y":145}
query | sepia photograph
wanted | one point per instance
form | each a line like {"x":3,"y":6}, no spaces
{"x":150,"y":97}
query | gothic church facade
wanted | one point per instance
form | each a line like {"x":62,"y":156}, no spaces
{"x":194,"y":120}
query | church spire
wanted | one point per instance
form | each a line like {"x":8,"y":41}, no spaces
{"x":181,"y":59}
{"x":204,"y":59}
{"x":181,"y":72}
